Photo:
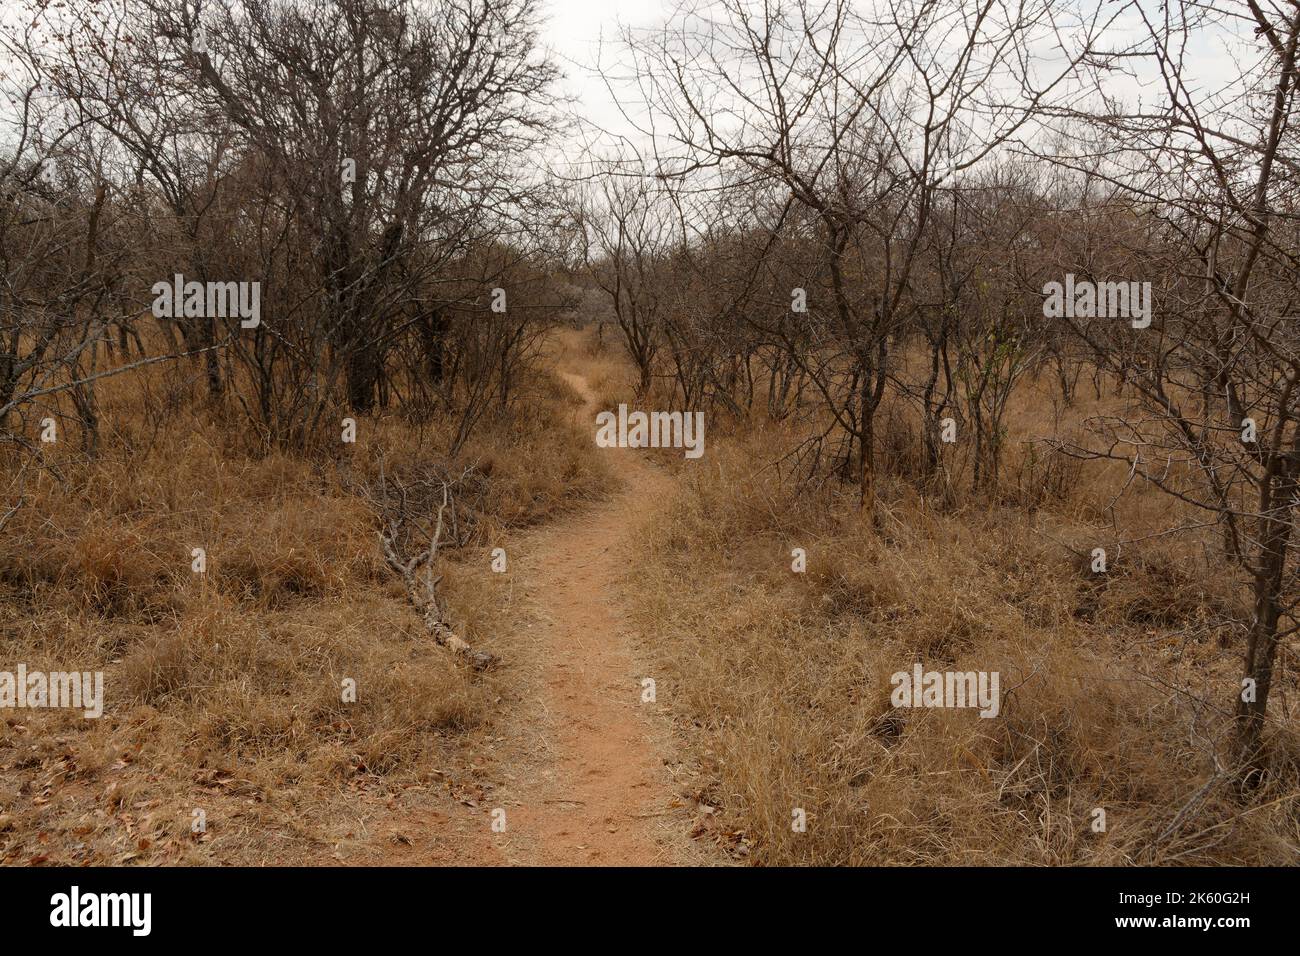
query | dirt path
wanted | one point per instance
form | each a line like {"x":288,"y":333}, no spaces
{"x":599,"y":794}
{"x":582,"y":768}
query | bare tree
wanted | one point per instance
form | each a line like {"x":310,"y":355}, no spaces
{"x":1203,"y":205}
{"x":859,"y":120}
{"x":627,"y":228}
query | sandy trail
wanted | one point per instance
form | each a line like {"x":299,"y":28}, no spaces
{"x":600,"y":795}
{"x":581,"y":767}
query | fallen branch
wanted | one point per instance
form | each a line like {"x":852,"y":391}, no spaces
{"x":422,"y":589}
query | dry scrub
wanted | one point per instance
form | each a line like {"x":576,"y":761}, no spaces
{"x":223,"y":690}
{"x":1111,"y":685}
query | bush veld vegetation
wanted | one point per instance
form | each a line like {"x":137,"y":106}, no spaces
{"x":836,"y":234}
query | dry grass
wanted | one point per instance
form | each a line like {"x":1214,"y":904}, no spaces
{"x":224,"y":690}
{"x":1115,"y":687}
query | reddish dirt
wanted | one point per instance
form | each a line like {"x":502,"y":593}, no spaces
{"x":579,"y":765}
{"x":601,"y":795}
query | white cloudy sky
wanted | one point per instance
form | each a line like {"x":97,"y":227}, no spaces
{"x":580,"y":31}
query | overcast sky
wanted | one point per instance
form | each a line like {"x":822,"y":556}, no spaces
{"x":580,"y":32}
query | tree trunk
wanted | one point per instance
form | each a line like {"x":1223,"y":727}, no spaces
{"x":363,"y":370}
{"x":1261,"y":645}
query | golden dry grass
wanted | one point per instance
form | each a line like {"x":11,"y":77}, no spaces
{"x":224,"y":690}
{"x":1116,"y":686}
